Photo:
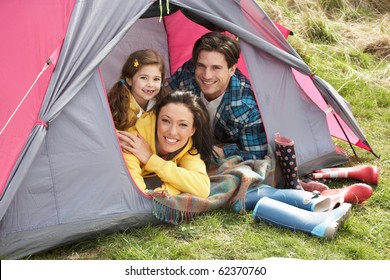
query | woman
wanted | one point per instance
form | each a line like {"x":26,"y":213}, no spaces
{"x":138,"y":88}
{"x":169,"y":147}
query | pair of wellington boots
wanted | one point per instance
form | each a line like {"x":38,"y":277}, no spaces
{"x":285,"y":153}
{"x":297,"y":210}
{"x":310,"y":201}
{"x":356,"y":193}
{"x":320,"y":224}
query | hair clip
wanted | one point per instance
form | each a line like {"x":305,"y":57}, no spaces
{"x":122,"y":81}
{"x":136,"y":64}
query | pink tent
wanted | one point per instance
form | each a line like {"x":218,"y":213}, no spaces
{"x":32,"y":42}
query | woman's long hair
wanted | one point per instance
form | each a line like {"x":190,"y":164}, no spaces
{"x":203,"y":139}
{"x":119,"y":94}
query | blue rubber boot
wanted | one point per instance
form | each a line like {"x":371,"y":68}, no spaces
{"x":311,"y":201}
{"x":321,"y":224}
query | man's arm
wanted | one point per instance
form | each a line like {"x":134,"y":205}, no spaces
{"x":183,"y":78}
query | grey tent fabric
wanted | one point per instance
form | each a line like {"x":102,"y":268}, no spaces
{"x":81,"y":199}
{"x":340,"y":106}
{"x":77,"y":179}
{"x":91,"y":36}
{"x":84,"y":48}
{"x":232,"y":18}
{"x":71,"y":181}
{"x":149,"y":33}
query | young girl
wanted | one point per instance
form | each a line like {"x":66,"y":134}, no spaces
{"x":138,"y":88}
{"x":169,"y":147}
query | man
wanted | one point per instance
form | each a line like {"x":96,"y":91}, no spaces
{"x":212,"y":74}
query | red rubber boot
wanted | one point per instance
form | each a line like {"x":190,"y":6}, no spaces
{"x":311,"y":186}
{"x":366,"y":173}
{"x":356,"y":193}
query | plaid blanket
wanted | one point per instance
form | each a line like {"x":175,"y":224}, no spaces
{"x":230,"y":179}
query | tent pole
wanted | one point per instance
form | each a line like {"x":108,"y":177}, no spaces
{"x":346,"y":136}
{"x":349,"y":142}
{"x":378,"y":157}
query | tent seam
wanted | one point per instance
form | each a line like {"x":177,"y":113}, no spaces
{"x":52,"y":181}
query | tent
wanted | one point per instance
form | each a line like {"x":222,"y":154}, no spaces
{"x":63,"y":177}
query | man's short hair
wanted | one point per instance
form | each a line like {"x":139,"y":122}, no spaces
{"x":217,"y":42}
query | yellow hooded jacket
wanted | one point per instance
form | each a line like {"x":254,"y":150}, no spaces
{"x":135,"y":111}
{"x":185,"y":173}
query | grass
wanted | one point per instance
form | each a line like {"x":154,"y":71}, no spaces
{"x":347,"y":44}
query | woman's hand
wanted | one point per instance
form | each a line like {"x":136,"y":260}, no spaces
{"x":136,"y":145}
{"x":219,"y":151}
{"x":124,"y":140}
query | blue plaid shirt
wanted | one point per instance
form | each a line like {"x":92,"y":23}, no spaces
{"x":238,"y":119}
